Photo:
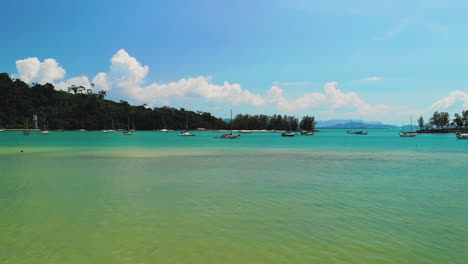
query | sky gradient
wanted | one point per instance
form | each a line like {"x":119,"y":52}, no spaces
{"x":383,"y":60}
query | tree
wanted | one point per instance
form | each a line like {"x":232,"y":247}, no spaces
{"x":458,"y":120}
{"x":421,"y":122}
{"x":308,"y":123}
{"x":102,"y":94}
{"x":465,"y":118}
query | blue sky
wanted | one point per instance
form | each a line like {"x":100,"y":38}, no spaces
{"x":384,"y":60}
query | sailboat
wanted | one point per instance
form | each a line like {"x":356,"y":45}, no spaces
{"x":112,"y":130}
{"x":45,"y":131}
{"x":309,"y":131}
{"x":360,"y":132}
{"x":230,"y":135}
{"x":26,"y":131}
{"x":408,"y":134}
{"x":288,"y":133}
{"x":105,"y":130}
{"x":186,"y":133}
{"x":128,"y":132}
{"x":350,"y":131}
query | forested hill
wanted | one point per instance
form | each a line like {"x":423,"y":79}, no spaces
{"x":82,"y":109}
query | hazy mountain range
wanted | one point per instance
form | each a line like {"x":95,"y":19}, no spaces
{"x":352,"y":124}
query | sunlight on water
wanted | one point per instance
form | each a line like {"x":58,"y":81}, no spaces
{"x":157,"y":198}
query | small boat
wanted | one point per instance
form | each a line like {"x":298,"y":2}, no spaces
{"x":350,"y":132}
{"x":128,"y":132}
{"x":288,"y":133}
{"x":229,"y":135}
{"x":82,"y":130}
{"x":60,"y":130}
{"x":307,"y":133}
{"x":361,"y":132}
{"x":45,"y":131}
{"x":186,"y":132}
{"x":408,"y":134}
{"x":461,"y":136}
{"x":164,"y":130}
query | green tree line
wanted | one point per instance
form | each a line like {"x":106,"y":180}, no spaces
{"x":441,"y":120}
{"x":80,"y":108}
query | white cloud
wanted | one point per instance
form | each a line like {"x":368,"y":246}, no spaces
{"x":372,"y":79}
{"x":77,"y":81}
{"x":101,"y":82}
{"x":32,"y":70}
{"x":454,"y":97}
{"x":332,"y":98}
{"x":128,"y":74}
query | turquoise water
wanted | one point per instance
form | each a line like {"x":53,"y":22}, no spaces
{"x":89,"y":197}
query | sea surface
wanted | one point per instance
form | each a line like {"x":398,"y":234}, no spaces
{"x":153,"y":197}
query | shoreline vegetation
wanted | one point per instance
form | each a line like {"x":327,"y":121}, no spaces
{"x":81,"y":108}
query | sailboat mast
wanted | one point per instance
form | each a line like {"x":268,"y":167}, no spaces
{"x":411,"y":120}
{"x":231,"y":122}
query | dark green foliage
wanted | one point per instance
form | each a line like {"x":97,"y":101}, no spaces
{"x":80,"y":108}
{"x":308,"y":123}
{"x":264,"y":122}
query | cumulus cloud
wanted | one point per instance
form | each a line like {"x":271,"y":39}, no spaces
{"x":372,"y":79}
{"x":77,"y":81}
{"x":127,"y":74}
{"x":331,"y":97}
{"x":32,"y":70}
{"x":453,"y":98}
{"x":101,"y":82}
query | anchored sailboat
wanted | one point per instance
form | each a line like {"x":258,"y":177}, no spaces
{"x":288,"y":133}
{"x":408,"y":134}
{"x":362,"y":132}
{"x":128,"y":132}
{"x":186,"y":133}
{"x":230,"y":135}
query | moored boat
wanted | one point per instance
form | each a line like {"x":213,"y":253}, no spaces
{"x":229,"y":135}
{"x":463,"y":136}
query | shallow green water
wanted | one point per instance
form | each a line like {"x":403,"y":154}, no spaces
{"x":157,"y":198}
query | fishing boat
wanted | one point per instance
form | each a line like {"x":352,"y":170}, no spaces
{"x":461,"y":136}
{"x":128,"y":132}
{"x":408,"y":134}
{"x":186,"y":132}
{"x":229,"y":135}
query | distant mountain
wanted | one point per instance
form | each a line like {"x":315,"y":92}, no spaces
{"x":354,"y":124}
{"x":333,"y":122}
